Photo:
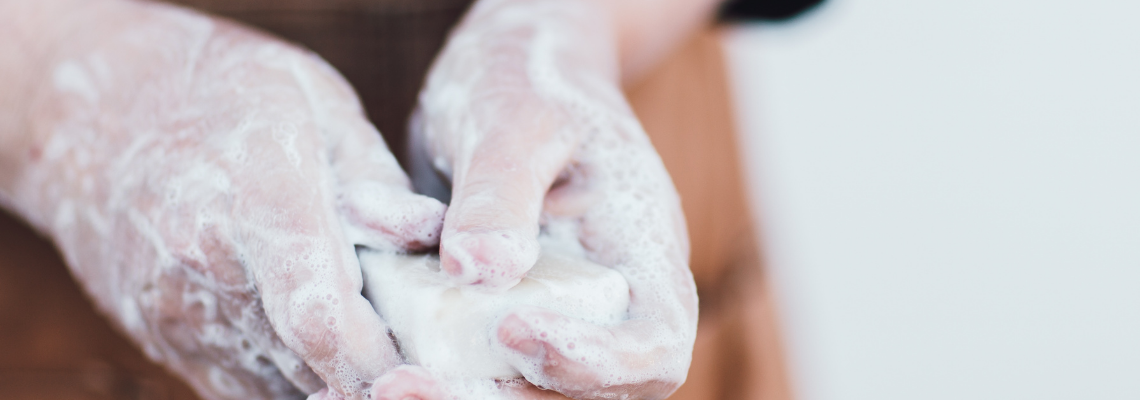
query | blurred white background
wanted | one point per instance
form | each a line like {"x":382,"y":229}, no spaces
{"x":950,"y":195}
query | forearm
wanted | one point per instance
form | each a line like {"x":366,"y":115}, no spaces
{"x":32,"y":35}
{"x":619,"y":38}
{"x":647,"y":30}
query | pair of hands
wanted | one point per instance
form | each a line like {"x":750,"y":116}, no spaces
{"x":207,"y":184}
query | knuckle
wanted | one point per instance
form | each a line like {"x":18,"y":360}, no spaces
{"x":308,"y":325}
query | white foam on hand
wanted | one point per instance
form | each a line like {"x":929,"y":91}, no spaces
{"x":523,"y":111}
{"x":206,"y":184}
{"x":448,"y":329}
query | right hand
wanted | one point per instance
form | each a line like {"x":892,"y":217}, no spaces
{"x":523,"y":110}
{"x":206,"y":184}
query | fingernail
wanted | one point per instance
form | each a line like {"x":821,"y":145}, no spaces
{"x":495,"y":260}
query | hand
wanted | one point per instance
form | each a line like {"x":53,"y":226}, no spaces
{"x":413,"y":382}
{"x":206,"y":184}
{"x":524,"y":113}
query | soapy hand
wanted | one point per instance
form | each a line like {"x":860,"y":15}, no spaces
{"x":523,"y":111}
{"x":206,"y":184}
{"x":414,"y":382}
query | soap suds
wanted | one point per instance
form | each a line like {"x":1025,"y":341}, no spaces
{"x":190,"y":173}
{"x":450,"y":330}
{"x":549,"y":68}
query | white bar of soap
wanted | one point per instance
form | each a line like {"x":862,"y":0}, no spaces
{"x":448,"y":329}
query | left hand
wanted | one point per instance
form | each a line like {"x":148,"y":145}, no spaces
{"x":207,"y":184}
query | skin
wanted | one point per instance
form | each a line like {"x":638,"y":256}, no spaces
{"x":523,"y":110}
{"x":207,"y":183}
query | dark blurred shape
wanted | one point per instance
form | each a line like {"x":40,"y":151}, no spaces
{"x":765,"y":10}
{"x":384,"y":48}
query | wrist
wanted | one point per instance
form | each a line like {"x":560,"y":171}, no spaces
{"x":635,"y":34}
{"x":565,"y":35}
{"x":646,"y":31}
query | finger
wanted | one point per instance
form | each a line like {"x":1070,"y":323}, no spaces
{"x":231,"y":299}
{"x":295,"y":247}
{"x":500,"y":177}
{"x":292,"y":367}
{"x":383,"y":217}
{"x":635,"y":225}
{"x":414,"y":382}
{"x":583,"y":360}
{"x":207,"y":342}
{"x":309,"y":279}
{"x":375,"y":197}
{"x":522,"y":390}
{"x":326,"y":394}
{"x":408,"y":382}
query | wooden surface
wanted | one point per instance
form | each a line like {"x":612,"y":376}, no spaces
{"x":54,"y":346}
{"x":684,"y":106}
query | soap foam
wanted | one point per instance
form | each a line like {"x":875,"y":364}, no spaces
{"x":448,"y":329}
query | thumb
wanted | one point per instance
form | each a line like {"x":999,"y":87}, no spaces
{"x":374,"y":197}
{"x":500,"y":179}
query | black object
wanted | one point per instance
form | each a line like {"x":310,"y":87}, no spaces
{"x":765,"y":10}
